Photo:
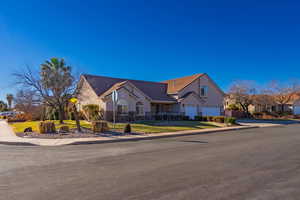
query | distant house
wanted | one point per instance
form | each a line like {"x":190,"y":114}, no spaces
{"x":190,"y":96}
{"x":266,"y":103}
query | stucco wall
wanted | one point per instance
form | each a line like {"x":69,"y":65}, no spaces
{"x":131,"y":100}
{"x":88,"y":96}
{"x":214,"y":96}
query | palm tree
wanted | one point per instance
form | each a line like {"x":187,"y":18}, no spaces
{"x":57,"y":78}
{"x":9,"y":98}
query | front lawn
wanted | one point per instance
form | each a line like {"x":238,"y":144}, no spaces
{"x":138,"y":127}
{"x":20,"y":126}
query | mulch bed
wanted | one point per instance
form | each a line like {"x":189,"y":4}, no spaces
{"x":72,"y":134}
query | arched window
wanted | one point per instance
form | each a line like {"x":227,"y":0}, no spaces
{"x":139,"y":108}
{"x":122,"y":106}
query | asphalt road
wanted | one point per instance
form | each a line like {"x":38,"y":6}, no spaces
{"x":249,"y":164}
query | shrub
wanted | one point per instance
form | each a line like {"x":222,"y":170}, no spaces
{"x":233,"y":107}
{"x":99,"y":126}
{"x":186,"y":118}
{"x":127,"y":128}
{"x":219,"y":119}
{"x":20,"y":118}
{"x":204,"y":118}
{"x":92,"y":112}
{"x":210,"y":118}
{"x":230,"y":120}
{"x":28,"y":130}
{"x":198,"y":118}
{"x":258,"y":114}
{"x":47,"y":127}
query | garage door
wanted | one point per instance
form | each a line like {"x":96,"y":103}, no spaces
{"x":191,"y":111}
{"x":211,"y":111}
{"x":297,"y":110}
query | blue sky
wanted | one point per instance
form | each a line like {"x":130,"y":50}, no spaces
{"x":154,"y":40}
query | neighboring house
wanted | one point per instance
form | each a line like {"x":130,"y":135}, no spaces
{"x":296,"y":107}
{"x":266,"y":103}
{"x":191,"y":96}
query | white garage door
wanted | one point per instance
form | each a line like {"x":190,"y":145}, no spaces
{"x":191,"y":111}
{"x":297,"y":110}
{"x":211,"y":111}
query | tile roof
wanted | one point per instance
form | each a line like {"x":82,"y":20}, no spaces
{"x":155,"y":90}
{"x":177,"y":84}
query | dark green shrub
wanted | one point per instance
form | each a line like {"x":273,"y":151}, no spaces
{"x":47,"y":127}
{"x":186,"y":118}
{"x":99,"y":126}
{"x":230,"y":120}
{"x":198,"y":118}
{"x":127,"y":128}
{"x":204,"y":118}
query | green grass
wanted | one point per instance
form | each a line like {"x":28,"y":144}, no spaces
{"x":20,"y":126}
{"x":140,"y":127}
{"x":164,"y":126}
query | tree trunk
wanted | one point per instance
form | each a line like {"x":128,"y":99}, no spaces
{"x":76,"y":118}
{"x":61,"y":114}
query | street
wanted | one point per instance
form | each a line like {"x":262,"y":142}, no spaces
{"x":249,"y":164}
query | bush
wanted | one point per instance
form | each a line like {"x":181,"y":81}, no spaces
{"x":92,"y":112}
{"x":210,"y":118}
{"x":230,"y":120}
{"x":47,"y":127}
{"x":199,"y":118}
{"x":127,"y":128}
{"x":219,"y":119}
{"x":99,"y":126}
{"x":20,"y":118}
{"x":186,"y":118}
{"x":28,"y":130}
{"x":204,"y":118}
{"x":233,"y":107}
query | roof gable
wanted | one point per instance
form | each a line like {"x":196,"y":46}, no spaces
{"x":178,"y":84}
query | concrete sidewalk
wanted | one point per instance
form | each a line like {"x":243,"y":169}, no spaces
{"x":7,"y":136}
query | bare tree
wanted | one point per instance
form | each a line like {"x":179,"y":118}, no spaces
{"x":28,"y":102}
{"x":9,"y":98}
{"x":283,"y":93}
{"x":53,"y":83}
{"x":242,"y":93}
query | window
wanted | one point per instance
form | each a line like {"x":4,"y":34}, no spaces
{"x":203,"y":90}
{"x":122,"y":106}
{"x":139,"y":108}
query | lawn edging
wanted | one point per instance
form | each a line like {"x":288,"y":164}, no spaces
{"x":163,"y":135}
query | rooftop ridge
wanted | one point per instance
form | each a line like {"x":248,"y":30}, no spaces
{"x":124,"y":79}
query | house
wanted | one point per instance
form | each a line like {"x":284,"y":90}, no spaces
{"x":190,"y":96}
{"x":296,"y":107}
{"x":267,"y":103}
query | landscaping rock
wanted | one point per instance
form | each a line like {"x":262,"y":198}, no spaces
{"x":99,"y":126}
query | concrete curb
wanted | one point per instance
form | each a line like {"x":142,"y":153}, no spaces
{"x":132,"y":139}
{"x":159,"y":136}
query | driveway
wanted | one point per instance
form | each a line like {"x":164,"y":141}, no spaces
{"x":241,"y":165}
